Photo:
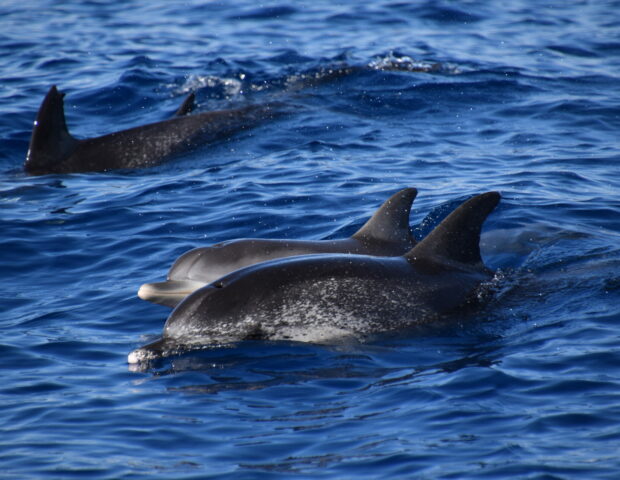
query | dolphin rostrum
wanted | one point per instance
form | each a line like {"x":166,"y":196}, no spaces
{"x":386,"y":233}
{"x":320,"y":298}
{"x":53,"y":149}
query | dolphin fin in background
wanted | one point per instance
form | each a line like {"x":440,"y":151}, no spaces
{"x":457,"y":238}
{"x":53,"y":150}
{"x":188,"y":105}
{"x":51,"y":141}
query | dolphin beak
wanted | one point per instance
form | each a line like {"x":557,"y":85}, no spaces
{"x":168,"y":293}
{"x":149,"y":352}
{"x":158,"y":349}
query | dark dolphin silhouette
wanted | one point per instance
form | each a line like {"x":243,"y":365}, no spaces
{"x":386,"y":233}
{"x":319,"y":298}
{"x":53,"y":149}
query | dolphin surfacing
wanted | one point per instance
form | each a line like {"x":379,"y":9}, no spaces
{"x":386,"y":233}
{"x":53,"y":149}
{"x":338,"y":294}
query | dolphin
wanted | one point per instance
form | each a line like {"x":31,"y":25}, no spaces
{"x":188,"y":105}
{"x":386,"y":233}
{"x":53,"y":149}
{"x":320,"y":298}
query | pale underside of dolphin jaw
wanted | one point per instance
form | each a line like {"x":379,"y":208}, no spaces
{"x":184,"y":339}
{"x":155,"y":350}
{"x":168,"y":293}
{"x":163,"y":348}
{"x":167,"y":347}
{"x":140,"y":355}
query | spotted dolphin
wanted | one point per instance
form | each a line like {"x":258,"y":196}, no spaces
{"x":53,"y":149}
{"x":386,"y":233}
{"x":319,"y":298}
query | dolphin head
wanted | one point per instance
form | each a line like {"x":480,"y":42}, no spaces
{"x":209,"y":316}
{"x":191,"y":271}
{"x":224,"y":310}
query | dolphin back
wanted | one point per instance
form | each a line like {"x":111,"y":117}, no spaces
{"x":53,"y":150}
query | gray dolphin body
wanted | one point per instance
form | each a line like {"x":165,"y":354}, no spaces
{"x":53,"y":149}
{"x":386,"y":233}
{"x":319,"y":298}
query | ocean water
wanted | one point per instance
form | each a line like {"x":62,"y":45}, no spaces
{"x":453,"y":98}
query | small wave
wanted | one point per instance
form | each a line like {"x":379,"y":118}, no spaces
{"x":225,"y":87}
{"x":404,"y":63}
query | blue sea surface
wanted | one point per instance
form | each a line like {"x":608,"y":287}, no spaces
{"x":451,"y":97}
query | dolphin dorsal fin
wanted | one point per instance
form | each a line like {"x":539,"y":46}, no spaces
{"x":390,"y":223}
{"x":457,"y":237}
{"x":51,"y":141}
{"x":187,"y":106}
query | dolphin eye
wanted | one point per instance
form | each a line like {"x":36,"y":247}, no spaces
{"x":218,"y":284}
